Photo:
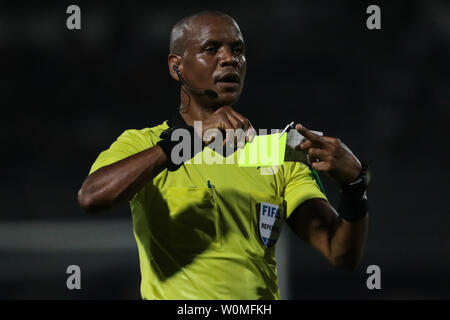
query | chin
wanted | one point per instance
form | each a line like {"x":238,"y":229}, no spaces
{"x":228,"y":99}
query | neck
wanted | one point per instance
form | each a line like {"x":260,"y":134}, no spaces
{"x":197,"y":109}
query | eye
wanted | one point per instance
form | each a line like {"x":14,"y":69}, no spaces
{"x":212,"y":50}
{"x":238,"y":50}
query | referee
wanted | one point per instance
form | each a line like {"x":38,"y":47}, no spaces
{"x":208,"y":231}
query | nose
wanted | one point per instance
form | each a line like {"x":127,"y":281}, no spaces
{"x":227,"y":58}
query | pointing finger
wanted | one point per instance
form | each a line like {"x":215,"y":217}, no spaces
{"x":311,"y":136}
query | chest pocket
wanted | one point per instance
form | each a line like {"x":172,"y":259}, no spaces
{"x":194,"y":223}
{"x":267,"y":216}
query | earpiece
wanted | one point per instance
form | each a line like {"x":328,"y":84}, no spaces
{"x":207,"y":92}
{"x":175,"y":68}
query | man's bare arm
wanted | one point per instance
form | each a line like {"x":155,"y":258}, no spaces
{"x":120,"y":181}
{"x":340,"y":241}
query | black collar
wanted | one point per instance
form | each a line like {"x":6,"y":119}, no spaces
{"x":176,"y":120}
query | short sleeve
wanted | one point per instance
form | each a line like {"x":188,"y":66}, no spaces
{"x":127,"y":144}
{"x":300,"y":186}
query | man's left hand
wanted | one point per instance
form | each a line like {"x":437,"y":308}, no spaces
{"x":330,"y":155}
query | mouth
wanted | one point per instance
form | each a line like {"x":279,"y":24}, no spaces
{"x":228,"y":79}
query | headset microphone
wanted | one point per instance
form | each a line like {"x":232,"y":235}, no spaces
{"x":207,"y":92}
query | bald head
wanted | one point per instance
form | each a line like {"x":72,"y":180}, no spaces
{"x":183,"y":29}
{"x":207,"y":52}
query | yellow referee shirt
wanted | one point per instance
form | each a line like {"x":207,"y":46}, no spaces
{"x":208,"y":231}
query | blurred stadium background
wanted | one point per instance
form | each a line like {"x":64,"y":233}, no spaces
{"x":66,"y":95}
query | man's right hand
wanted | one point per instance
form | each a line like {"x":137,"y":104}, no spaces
{"x":225,"y":119}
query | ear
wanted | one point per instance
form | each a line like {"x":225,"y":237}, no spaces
{"x":174,"y":60}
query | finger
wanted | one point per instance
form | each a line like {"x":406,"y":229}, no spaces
{"x":211,"y":135}
{"x":304,"y":145}
{"x":218,"y":128}
{"x":230,"y":139}
{"x":242,"y":139}
{"x":224,"y":123}
{"x":312,"y":159}
{"x":235,"y":121}
{"x":236,"y":136}
{"x":311,"y":136}
{"x":315,"y":154}
{"x":321,"y":166}
{"x":229,"y":129}
{"x":250,"y":134}
{"x":246,"y":123}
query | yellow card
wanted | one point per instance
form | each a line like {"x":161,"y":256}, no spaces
{"x":263,"y":151}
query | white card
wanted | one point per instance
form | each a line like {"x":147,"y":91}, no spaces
{"x":293,"y":139}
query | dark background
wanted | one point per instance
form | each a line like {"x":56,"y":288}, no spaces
{"x":67,"y":95}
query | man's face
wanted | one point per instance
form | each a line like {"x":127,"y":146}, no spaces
{"x":215,"y":58}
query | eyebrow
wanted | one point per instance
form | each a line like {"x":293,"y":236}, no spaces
{"x":219,"y":43}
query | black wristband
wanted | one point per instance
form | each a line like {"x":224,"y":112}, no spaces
{"x":353,"y":202}
{"x":167,"y":145}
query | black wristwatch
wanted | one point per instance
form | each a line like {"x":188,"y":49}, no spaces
{"x":353,"y":204}
{"x":363,"y":178}
{"x":365,"y":173}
